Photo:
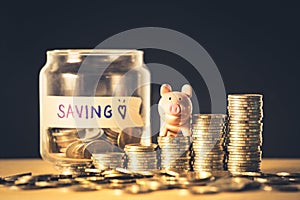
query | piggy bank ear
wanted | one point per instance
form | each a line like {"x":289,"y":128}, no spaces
{"x":165,"y":88}
{"x":187,"y":89}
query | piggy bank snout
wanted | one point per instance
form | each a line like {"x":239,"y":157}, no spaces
{"x":175,"y":109}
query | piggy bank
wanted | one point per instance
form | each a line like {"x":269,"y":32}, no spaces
{"x":175,"y":109}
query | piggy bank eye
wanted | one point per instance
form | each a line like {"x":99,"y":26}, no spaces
{"x":179,"y":99}
{"x":170,"y":98}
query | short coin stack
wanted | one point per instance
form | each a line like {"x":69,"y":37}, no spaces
{"x":175,"y":153}
{"x":141,"y":158}
{"x":108,"y":160}
{"x":208,"y":133}
{"x":111,"y":135}
{"x":77,"y":149}
{"x":61,"y":138}
{"x":245,"y":132}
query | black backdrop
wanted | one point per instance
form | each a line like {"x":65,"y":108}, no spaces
{"x":254,"y":45}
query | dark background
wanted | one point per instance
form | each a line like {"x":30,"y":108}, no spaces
{"x":255,"y":46}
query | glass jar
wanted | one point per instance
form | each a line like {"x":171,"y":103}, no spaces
{"x":92,"y":101}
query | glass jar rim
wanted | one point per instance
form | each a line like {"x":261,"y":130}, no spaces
{"x":95,"y":52}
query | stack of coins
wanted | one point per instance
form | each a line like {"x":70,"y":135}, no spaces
{"x":208,"y":133}
{"x":245,"y":132}
{"x":108,"y":160}
{"x":141,"y":158}
{"x":77,"y":149}
{"x":61,"y":138}
{"x":111,"y":135}
{"x":175,"y":153}
{"x":122,"y":137}
{"x":105,"y":155}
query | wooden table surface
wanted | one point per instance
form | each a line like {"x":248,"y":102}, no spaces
{"x":37,"y":166}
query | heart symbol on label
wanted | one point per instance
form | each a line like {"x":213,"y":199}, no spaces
{"x":122,"y":111}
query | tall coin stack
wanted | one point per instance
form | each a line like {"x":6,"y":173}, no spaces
{"x":208,"y":133}
{"x":141,"y":158}
{"x":245,"y":132}
{"x":175,"y":153}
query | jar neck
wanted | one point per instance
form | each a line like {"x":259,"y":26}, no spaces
{"x":99,"y":58}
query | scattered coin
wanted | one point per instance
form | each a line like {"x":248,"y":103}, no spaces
{"x":235,"y":184}
{"x":137,"y":189}
{"x":286,"y":188}
{"x":134,"y":183}
{"x":84,"y":188}
{"x":204,"y":190}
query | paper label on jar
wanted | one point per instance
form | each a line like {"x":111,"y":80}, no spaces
{"x":92,"y":112}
